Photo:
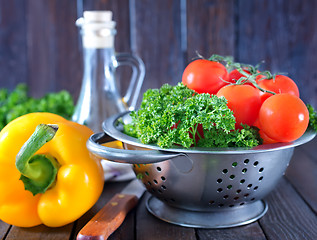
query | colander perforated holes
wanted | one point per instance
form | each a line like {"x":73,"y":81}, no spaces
{"x":220,"y":205}
{"x":234,"y":164}
{"x":261,"y":169}
{"x":159,"y":191}
{"x":163,"y":178}
{"x":238,"y":191}
{"x":231,"y":205}
{"x":219,"y":190}
{"x":147,"y":174}
{"x":232,"y":176}
{"x":241,"y":203}
{"x":235,"y":198}
{"x":211,"y":202}
{"x":246,"y":161}
{"x":260,"y":178}
{"x":229,"y":186}
{"x":225,"y":197}
{"x":244,"y":170}
{"x":149,"y":183}
{"x":219,"y":180}
{"x":252,"y":199}
{"x":225,"y":171}
{"x":246,"y":195}
{"x":255,"y":163}
{"x":255,"y":188}
{"x":155,"y":181}
{"x":249,"y":186}
{"x":242,"y":181}
{"x":159,"y":169}
{"x":163,"y":187}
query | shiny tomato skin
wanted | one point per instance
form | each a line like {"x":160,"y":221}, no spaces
{"x":281,"y":84}
{"x":265,"y":138}
{"x":204,"y":76}
{"x":283,"y":117}
{"x":244,"y":101}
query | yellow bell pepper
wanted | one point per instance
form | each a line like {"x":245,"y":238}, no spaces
{"x":55,"y":186}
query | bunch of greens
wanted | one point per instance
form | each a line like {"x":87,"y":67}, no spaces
{"x":17,"y":103}
{"x":172,"y":115}
{"x":312,"y":117}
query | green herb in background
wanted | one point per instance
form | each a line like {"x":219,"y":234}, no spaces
{"x":171,"y":115}
{"x":17,"y":103}
{"x":312,"y":117}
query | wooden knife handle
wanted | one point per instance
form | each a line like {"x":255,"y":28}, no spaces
{"x":109,"y":218}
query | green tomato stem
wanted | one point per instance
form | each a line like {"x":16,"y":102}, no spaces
{"x":38,"y":172}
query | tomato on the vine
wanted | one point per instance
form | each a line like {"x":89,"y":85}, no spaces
{"x":281,"y":84}
{"x":205,"y":76}
{"x":283,"y":117}
{"x":244,"y":101}
{"x":235,"y":75}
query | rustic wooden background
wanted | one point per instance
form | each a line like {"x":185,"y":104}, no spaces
{"x":39,"y":42}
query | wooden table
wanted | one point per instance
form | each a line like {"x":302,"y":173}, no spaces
{"x":292,"y":213}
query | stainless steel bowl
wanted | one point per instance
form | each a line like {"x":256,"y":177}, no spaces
{"x":198,"y":187}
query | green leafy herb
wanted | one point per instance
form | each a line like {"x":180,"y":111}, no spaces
{"x":312,"y":117}
{"x":172,"y":115}
{"x":17,"y":103}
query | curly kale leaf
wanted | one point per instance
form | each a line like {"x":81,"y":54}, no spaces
{"x":173,"y":114}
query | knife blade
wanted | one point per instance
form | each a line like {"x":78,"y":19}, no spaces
{"x":112,"y":215}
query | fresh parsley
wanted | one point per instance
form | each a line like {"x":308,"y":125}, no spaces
{"x":172,"y":115}
{"x":17,"y":103}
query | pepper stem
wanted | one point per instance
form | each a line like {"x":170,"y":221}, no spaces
{"x":38,"y":172}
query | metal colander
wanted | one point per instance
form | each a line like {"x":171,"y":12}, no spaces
{"x":206,"y":188}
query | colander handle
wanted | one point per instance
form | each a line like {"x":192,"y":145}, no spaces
{"x":124,"y":155}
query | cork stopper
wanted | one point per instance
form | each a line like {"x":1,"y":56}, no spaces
{"x":97,"y":29}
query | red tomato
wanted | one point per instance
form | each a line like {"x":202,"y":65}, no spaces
{"x":244,"y":101}
{"x":284,"y":117}
{"x":281,"y":84}
{"x":205,"y":76}
{"x":265,"y":138}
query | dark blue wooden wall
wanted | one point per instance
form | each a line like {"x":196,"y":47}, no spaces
{"x":39,"y":42}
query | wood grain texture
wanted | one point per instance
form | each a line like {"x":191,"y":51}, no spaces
{"x":53,"y":56}
{"x":210,"y":28}
{"x":156,"y":38}
{"x":302,"y":173}
{"x":13,"y":49}
{"x":40,"y":232}
{"x":4,"y":228}
{"x":288,"y":216}
{"x":250,"y":231}
{"x":279,"y":33}
{"x":150,"y":227}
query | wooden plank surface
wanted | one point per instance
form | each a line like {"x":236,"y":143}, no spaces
{"x":288,"y":216}
{"x":278,"y":32}
{"x":210,"y":28}
{"x":150,"y":227}
{"x":13,"y":49}
{"x":52,"y":42}
{"x":156,"y":38}
{"x":251,"y":231}
{"x":302,"y":173}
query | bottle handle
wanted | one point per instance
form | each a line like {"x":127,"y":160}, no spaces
{"x":138,"y":73}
